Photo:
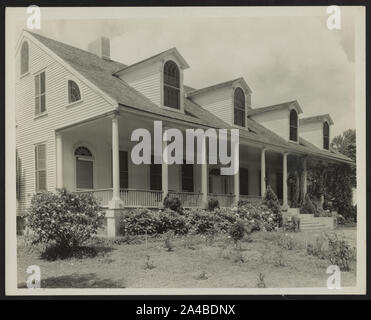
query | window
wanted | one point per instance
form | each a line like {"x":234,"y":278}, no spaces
{"x":293,"y":125}
{"x":73,"y":92}
{"x":187,"y":178}
{"x":40,"y":103}
{"x":124,"y":170}
{"x":84,"y":168}
{"x":326,"y":136}
{"x":40,"y":167}
{"x":24,"y":58}
{"x":171,"y":85}
{"x":239,"y":107}
{"x":155,"y":176}
{"x":244,"y":181}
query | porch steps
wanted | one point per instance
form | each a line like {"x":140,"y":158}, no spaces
{"x":310,"y":223}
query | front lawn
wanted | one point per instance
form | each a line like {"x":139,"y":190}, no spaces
{"x":262,"y":259}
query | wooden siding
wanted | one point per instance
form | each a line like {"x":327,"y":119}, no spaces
{"x":32,"y":130}
{"x":147,"y":81}
{"x":218,"y":102}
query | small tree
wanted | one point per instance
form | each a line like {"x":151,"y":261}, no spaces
{"x":213,"y":204}
{"x":271,"y":201}
{"x":65,"y":219}
{"x":173,"y":203}
{"x":308,"y":206}
{"x":237,"y":231}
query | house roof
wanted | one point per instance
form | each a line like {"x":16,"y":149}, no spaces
{"x":318,"y":118}
{"x":101,"y":71}
{"x":280,"y":106}
{"x":157,"y":57}
{"x":229,"y":83}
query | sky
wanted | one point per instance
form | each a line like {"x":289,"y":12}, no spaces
{"x":282,"y":58}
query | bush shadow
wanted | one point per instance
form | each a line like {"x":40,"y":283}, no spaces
{"x":89,"y":280}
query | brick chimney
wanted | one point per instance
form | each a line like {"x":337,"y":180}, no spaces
{"x":100,"y":47}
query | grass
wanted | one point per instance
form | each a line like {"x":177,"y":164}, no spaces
{"x":263,"y":260}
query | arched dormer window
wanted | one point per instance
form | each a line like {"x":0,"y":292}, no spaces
{"x":326,"y":136}
{"x":73,"y":92}
{"x":239,"y":107}
{"x":171,"y":85}
{"x":24,"y":58}
{"x":293,"y":125}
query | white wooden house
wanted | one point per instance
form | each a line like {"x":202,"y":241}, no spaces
{"x":76,"y":110}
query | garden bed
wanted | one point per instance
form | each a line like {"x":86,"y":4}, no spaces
{"x":193,"y":261}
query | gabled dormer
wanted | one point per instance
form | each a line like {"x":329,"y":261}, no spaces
{"x":159,"y":78}
{"x":280,"y":118}
{"x":316,"y":130}
{"x":229,"y":100}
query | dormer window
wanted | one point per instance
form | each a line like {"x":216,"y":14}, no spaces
{"x":326,"y":136}
{"x":171,"y":85}
{"x":293,"y":125}
{"x":24,"y":58}
{"x":239,"y":107}
{"x":73,"y":92}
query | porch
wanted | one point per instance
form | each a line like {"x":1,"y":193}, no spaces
{"x":95,"y":157}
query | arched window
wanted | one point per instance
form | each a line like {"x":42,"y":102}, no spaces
{"x":293,"y":125}
{"x":73,"y":92}
{"x":326,"y":136}
{"x":171,"y":85}
{"x":84,"y":168}
{"x":24,"y":58}
{"x":239,"y":107}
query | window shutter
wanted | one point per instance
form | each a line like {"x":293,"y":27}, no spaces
{"x":84,"y":174}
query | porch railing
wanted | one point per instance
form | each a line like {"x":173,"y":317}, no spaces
{"x":253,"y":199}
{"x":188,"y":199}
{"x":225,"y":200}
{"x":102,"y":195}
{"x":141,"y":198}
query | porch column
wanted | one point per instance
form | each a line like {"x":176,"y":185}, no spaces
{"x":262,"y":172}
{"x":116,"y":203}
{"x":305,"y":175}
{"x":204,"y":175}
{"x":284,"y":171}
{"x":236,"y":187}
{"x":164,"y":167}
{"x":59,"y":159}
{"x":115,"y":159}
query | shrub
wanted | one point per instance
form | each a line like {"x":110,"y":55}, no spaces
{"x":349,"y":212}
{"x":213,"y":204}
{"x":271,"y":201}
{"x":65,"y":219}
{"x":340,"y":253}
{"x":202,"y":221}
{"x":171,"y":221}
{"x":308,"y":206}
{"x":237,"y":231}
{"x":291,"y":224}
{"x":317,"y":248}
{"x":138,"y":221}
{"x":173,"y":203}
{"x":259,"y":217}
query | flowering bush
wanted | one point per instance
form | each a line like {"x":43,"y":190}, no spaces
{"x":198,"y":221}
{"x":140,"y":221}
{"x":65,"y":219}
{"x":259,"y":217}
